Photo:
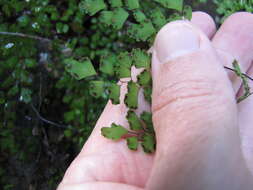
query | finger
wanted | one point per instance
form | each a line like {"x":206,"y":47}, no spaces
{"x":204,"y":22}
{"x":98,"y":186}
{"x":234,"y":40}
{"x":193,"y":109}
{"x":245,"y":109}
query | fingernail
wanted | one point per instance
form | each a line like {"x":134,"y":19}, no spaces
{"x":175,"y":40}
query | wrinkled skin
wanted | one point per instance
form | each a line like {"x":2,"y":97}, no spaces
{"x":202,"y":134}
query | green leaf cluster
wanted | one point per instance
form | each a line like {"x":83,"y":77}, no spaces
{"x":225,"y":8}
{"x":60,"y":62}
{"x":139,"y":132}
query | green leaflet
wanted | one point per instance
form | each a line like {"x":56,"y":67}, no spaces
{"x":175,"y":16}
{"x":144,"y":78}
{"x":142,"y":31}
{"x":116,"y":3}
{"x":172,"y":4}
{"x":139,"y":16}
{"x":124,"y":72}
{"x":147,"y":93}
{"x":187,"y":12}
{"x":148,"y":143}
{"x":92,"y":6}
{"x":114,"y":93}
{"x":79,"y":69}
{"x":132,"y":4}
{"x":115,"y":18}
{"x":96,"y":88}
{"x":119,"y":18}
{"x":106,"y":17}
{"x":141,"y":59}
{"x":134,"y":121}
{"x":62,"y":28}
{"x":123,"y":68}
{"x":115,"y":132}
{"x":132,"y":143}
{"x":158,"y":18}
{"x":125,"y":59}
{"x":131,"y":98}
{"x":146,"y":117}
{"x":107,"y":64}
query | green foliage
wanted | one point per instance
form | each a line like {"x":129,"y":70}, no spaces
{"x":114,"y":93}
{"x":158,"y":18}
{"x":115,"y":18}
{"x":80,"y":69}
{"x":187,"y":12}
{"x":120,"y":66}
{"x":141,"y":32}
{"x":148,"y":93}
{"x":146,"y":117}
{"x":123,"y":68}
{"x":107,"y":64}
{"x":62,"y":28}
{"x":144,"y":79}
{"x":106,"y":17}
{"x":132,"y":143}
{"x":148,"y":143}
{"x":97,"y":88}
{"x":116,"y":3}
{"x":115,"y":132}
{"x":227,"y":7}
{"x":119,"y":17}
{"x":134,"y":121}
{"x":132,"y":4}
{"x":131,"y":98}
{"x":139,"y":16}
{"x":141,"y":59}
{"x":92,"y":6}
{"x":60,"y":63}
{"x":172,"y":4}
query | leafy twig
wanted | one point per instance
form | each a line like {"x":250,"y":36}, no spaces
{"x":244,"y":78}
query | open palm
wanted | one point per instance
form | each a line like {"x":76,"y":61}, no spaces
{"x":106,"y":164}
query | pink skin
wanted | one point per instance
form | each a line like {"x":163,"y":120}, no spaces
{"x":200,"y":144}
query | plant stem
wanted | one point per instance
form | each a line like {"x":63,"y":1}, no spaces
{"x":242,"y":73}
{"x":25,"y":36}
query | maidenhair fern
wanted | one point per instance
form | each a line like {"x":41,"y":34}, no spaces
{"x":132,"y":20}
{"x":139,"y":23}
{"x":92,"y":6}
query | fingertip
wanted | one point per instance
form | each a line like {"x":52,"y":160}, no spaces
{"x":204,"y":22}
{"x":176,"y":39}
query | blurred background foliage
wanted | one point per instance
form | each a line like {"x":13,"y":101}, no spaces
{"x":46,"y":114}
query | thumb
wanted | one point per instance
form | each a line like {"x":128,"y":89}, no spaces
{"x":194,"y":112}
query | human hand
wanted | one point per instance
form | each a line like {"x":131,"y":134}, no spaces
{"x":203,"y":136}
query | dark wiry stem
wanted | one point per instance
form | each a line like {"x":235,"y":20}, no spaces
{"x":47,"y":121}
{"x":242,"y":73}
